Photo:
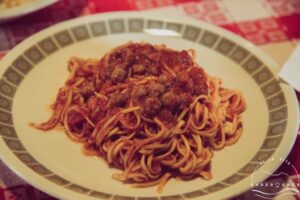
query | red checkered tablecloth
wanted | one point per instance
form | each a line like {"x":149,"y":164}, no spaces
{"x":273,"y":25}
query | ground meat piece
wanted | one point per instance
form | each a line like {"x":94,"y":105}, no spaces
{"x":141,"y":58}
{"x":154,"y":57}
{"x":119,"y":56}
{"x":152,"y":106}
{"x":118,"y":75}
{"x":141,"y":91}
{"x":185,"y":59}
{"x":118,"y":99}
{"x":185,"y":99}
{"x":184,"y":81}
{"x":170,"y":58}
{"x":183,"y":77}
{"x":129,"y":60}
{"x":200,"y":88}
{"x":156,"y":89}
{"x":166,"y":115}
{"x":154,"y":70}
{"x":165,"y":80}
{"x":198,"y":75}
{"x":87,"y":89}
{"x":199,"y":78}
{"x":173,"y":59}
{"x":107,"y":72}
{"x":170,"y":99}
{"x":138,"y":69}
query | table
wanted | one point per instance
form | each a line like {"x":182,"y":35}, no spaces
{"x":272,"y":25}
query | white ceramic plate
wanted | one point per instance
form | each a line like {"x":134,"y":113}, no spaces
{"x":34,"y":70}
{"x":26,"y":7}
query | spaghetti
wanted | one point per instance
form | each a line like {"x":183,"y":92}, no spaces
{"x":148,"y":110}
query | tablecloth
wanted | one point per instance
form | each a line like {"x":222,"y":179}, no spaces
{"x":272,"y":25}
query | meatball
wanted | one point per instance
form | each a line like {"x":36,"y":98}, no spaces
{"x":152,"y":106}
{"x":118,"y":75}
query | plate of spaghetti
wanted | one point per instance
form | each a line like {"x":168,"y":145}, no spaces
{"x":127,"y":106}
{"x":11,"y":9}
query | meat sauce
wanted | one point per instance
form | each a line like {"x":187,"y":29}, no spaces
{"x":166,"y":94}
